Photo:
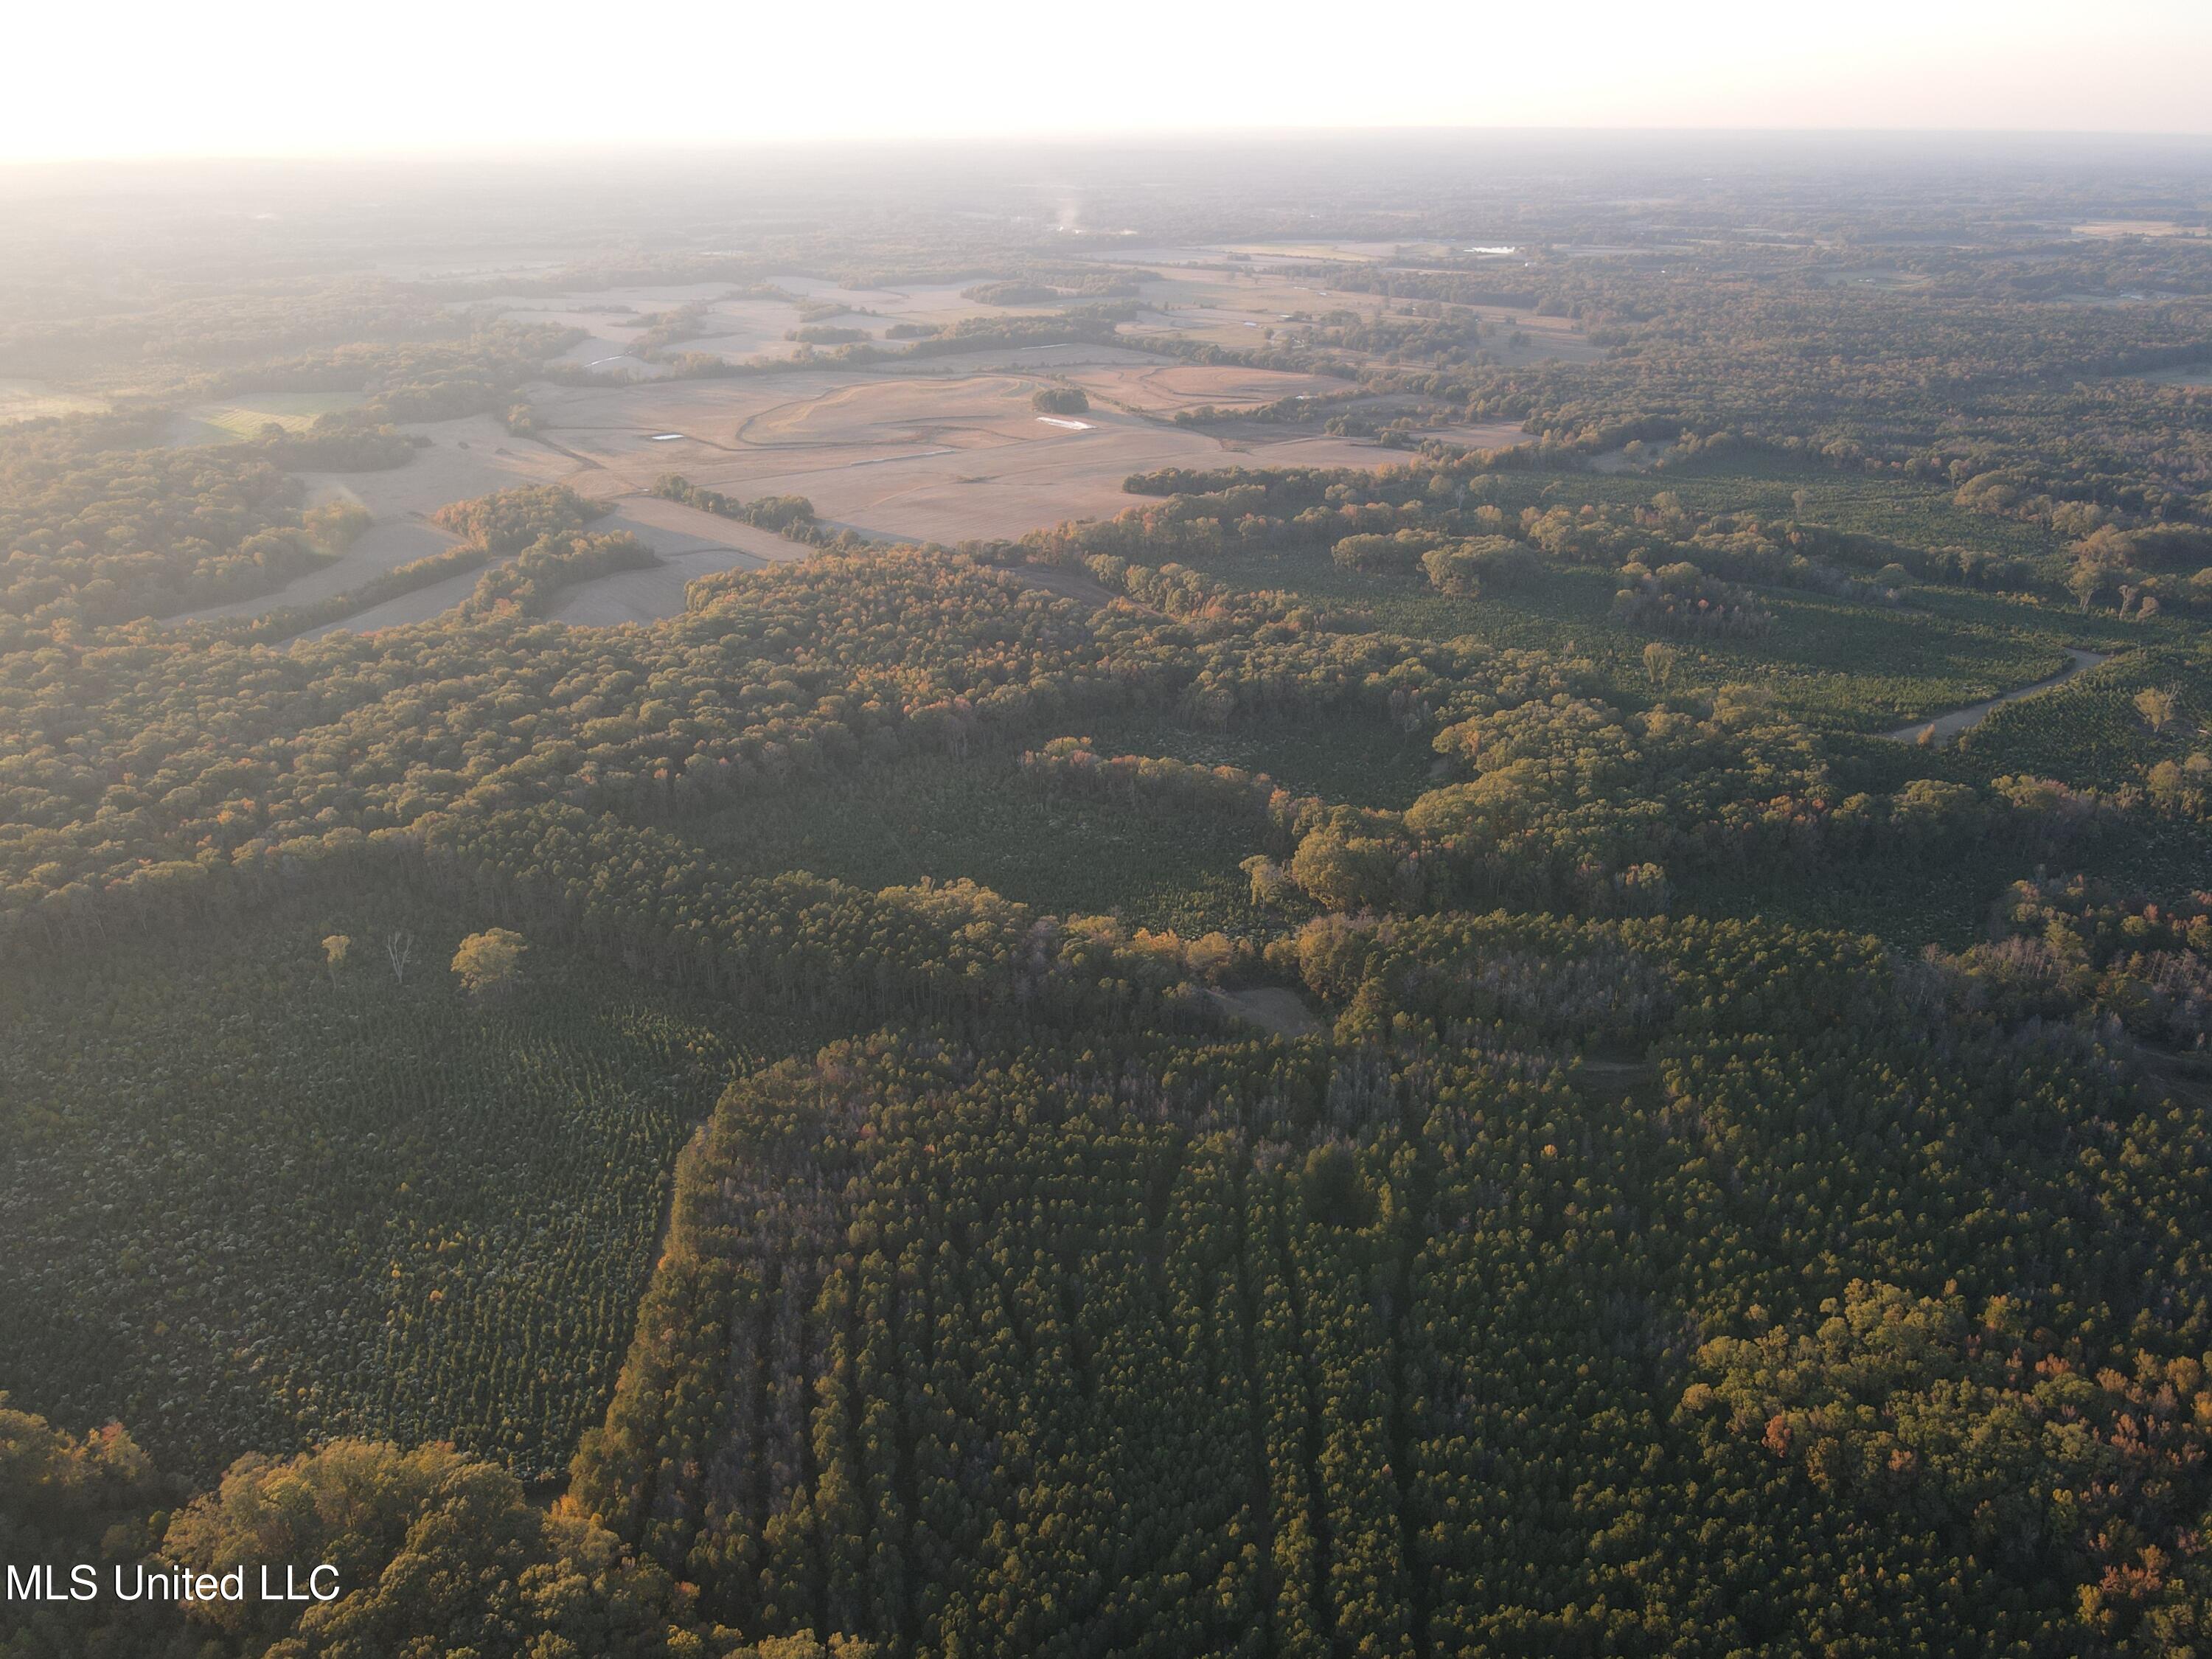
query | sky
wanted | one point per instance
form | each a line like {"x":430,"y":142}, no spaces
{"x":313,"y":77}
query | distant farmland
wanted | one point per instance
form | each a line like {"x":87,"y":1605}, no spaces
{"x":243,"y":417}
{"x":28,"y":400}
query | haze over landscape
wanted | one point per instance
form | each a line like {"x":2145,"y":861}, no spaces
{"x":904,"y":835}
{"x":278,"y":80}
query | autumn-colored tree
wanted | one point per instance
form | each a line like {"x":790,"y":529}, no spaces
{"x":489,"y":964}
{"x":433,"y":1553}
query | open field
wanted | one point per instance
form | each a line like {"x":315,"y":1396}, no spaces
{"x":947,"y":457}
{"x":2186,"y":374}
{"x":1212,"y":253}
{"x":1490,"y":434}
{"x":897,"y":456}
{"x":1165,"y":390}
{"x":1545,"y":339}
{"x":1368,"y":251}
{"x":1194,"y":294}
{"x":418,"y":605}
{"x":460,"y":461}
{"x":1058,"y":579}
{"x":738,"y":327}
{"x":2105,"y":229}
{"x":673,"y":529}
{"x":643,"y":596}
{"x":610,"y":319}
{"x":691,"y":543}
{"x":876,"y":308}
{"x":1244,"y":310}
{"x":1275,"y":1008}
{"x":28,"y":400}
{"x":971,"y":414}
{"x":382,"y":548}
{"x":463,"y":460}
{"x":229,"y":419}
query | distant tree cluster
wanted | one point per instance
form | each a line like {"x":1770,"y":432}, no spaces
{"x":1680,"y":599}
{"x":100,"y":527}
{"x":1011,"y":293}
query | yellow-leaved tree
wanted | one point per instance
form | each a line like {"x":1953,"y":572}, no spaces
{"x":490,"y":962}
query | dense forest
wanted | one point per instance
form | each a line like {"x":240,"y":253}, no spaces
{"x":1518,"y":1048}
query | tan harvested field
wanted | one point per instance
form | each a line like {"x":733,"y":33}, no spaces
{"x":642,"y":596}
{"x":1233,"y":330}
{"x":463,"y":460}
{"x":979,"y":412}
{"x":1213,"y":253}
{"x":385,"y":547}
{"x":738,"y":329}
{"x":890,"y":456}
{"x":1490,"y":435}
{"x":1056,"y":358}
{"x":612,"y":319}
{"x":2105,"y":229}
{"x":947,"y":455}
{"x":1158,"y":256}
{"x":917,"y":302}
{"x":1884,"y":278}
{"x":671,"y":529}
{"x":1240,"y":311}
{"x":420,"y":605}
{"x":749,"y":330}
{"x":1163,"y":390}
{"x":1363,"y":251}
{"x":691,"y":543}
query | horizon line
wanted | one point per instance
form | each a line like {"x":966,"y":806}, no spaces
{"x":1061,"y":139}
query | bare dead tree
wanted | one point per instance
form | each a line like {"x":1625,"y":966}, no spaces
{"x":397,"y":947}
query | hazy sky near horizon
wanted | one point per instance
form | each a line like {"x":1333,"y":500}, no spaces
{"x":258,"y":78}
